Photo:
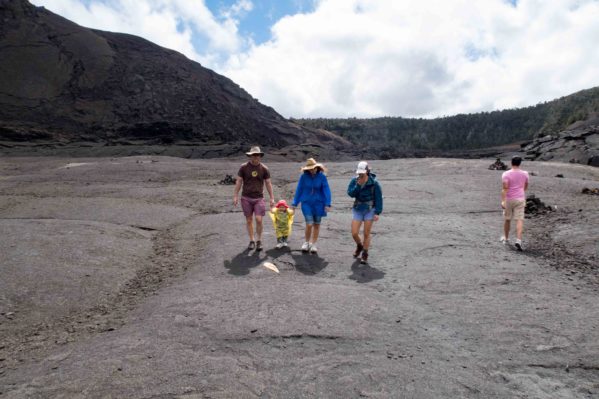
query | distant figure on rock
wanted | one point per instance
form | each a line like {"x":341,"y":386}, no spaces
{"x":253,"y":175}
{"x":314,"y":193}
{"x":513,"y":200}
{"x":498,"y":165}
{"x":368,"y":205}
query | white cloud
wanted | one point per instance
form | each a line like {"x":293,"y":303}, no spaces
{"x":377,"y":57}
{"x":170,"y":23}
{"x":422,"y":58}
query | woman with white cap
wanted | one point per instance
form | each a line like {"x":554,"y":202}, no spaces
{"x":314,"y":193}
{"x":368,"y":205}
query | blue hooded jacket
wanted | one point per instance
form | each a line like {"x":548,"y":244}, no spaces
{"x":313,"y":189}
{"x":368,"y":195}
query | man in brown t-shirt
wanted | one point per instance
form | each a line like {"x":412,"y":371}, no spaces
{"x":253,"y":175}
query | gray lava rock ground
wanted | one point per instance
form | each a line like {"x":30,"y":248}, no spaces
{"x":127,"y":277}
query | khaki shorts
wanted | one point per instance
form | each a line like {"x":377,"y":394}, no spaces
{"x":514,"y":209}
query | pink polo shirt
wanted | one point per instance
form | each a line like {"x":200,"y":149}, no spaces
{"x":516,"y":180}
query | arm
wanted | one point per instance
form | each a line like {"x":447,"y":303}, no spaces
{"x":269,"y":189}
{"x":353,"y":189}
{"x":298,"y":192}
{"x":236,"y":191}
{"x":327,"y":193}
{"x":378,"y":198}
{"x":504,"y":189}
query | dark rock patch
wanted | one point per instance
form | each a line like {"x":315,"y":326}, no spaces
{"x":498,"y":165}
{"x":580,"y":145}
{"x":534,"y":206}
{"x":590,"y":191}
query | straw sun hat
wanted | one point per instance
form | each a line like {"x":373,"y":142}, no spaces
{"x":311,"y":164}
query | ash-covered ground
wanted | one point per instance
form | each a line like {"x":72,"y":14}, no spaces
{"x":129,"y":278}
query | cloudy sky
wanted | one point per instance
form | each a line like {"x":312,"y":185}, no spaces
{"x":369,"y":58}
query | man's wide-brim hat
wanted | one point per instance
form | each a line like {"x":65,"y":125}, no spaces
{"x":311,"y":164}
{"x":254,"y":151}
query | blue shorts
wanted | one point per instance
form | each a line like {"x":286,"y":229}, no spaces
{"x":312,"y":212}
{"x":367,"y":214}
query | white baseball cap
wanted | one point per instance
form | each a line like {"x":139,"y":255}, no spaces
{"x":362,"y":168}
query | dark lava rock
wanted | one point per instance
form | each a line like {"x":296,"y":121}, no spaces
{"x":590,"y":191}
{"x":61,"y":83}
{"x":578,"y":144}
{"x":534,"y":206}
{"x":228,"y":180}
{"x":498,"y":165}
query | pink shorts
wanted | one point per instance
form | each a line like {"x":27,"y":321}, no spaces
{"x":253,"y":206}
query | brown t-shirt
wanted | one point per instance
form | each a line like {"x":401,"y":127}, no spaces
{"x":253,"y":179}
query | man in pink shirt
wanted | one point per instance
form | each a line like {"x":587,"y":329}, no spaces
{"x":513,"y":200}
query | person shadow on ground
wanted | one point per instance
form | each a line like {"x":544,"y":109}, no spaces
{"x":241,"y":264}
{"x":364,"y":273}
{"x":308,"y":264}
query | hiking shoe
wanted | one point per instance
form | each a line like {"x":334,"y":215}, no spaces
{"x":504,"y":240}
{"x":280,"y":245}
{"x":358,"y":251}
{"x":258,"y":245}
{"x":364,"y":257}
{"x":313,"y":249}
{"x":285,"y":243}
{"x":252,"y":245}
{"x":518,"y":245}
{"x":305,"y":246}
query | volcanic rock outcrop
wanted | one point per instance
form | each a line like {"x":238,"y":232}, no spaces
{"x":62,"y":84}
{"x":578,"y":144}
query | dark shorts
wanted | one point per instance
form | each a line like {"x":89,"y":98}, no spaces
{"x":252,"y":206}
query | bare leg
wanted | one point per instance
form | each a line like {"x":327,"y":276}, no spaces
{"x":250,"y":227}
{"x":355,"y":231}
{"x":506,"y":229}
{"x":259,"y":227}
{"x":367,"y":228}
{"x":308,"y":232}
{"x":315,"y":232}
{"x":519,"y":228}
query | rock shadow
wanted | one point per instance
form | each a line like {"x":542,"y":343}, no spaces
{"x":364,"y":273}
{"x":308,"y":264}
{"x":241,"y":264}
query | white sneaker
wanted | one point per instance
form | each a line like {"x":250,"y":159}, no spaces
{"x":504,"y":240}
{"x":280,"y":245}
{"x":313,"y":249}
{"x":305,"y":246}
{"x":518,"y":245}
{"x":285,"y":244}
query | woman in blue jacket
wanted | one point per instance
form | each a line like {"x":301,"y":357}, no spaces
{"x":314,"y":194}
{"x":368,"y":205}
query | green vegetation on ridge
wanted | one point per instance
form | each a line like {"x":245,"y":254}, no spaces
{"x":393,"y":136}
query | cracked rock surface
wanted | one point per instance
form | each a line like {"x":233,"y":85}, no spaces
{"x":128,"y":277}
